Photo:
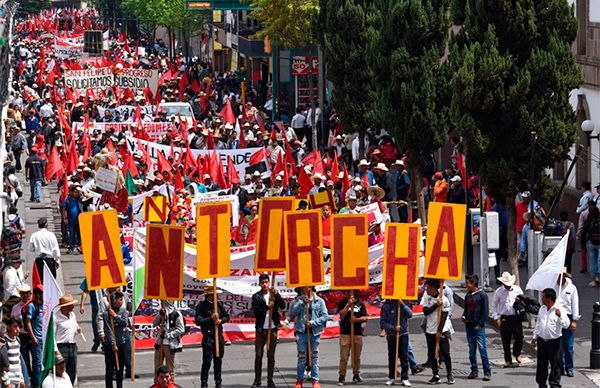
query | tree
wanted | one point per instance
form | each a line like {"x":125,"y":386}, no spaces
{"x":513,"y":70}
{"x":407,"y":40}
{"x":342,"y":29}
{"x":27,"y":7}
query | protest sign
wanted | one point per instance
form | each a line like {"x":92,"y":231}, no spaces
{"x":125,"y":110}
{"x":93,"y":78}
{"x":101,"y":246}
{"x":349,"y":251}
{"x":66,"y":49}
{"x":321,"y":199}
{"x":164,"y":262}
{"x":212,"y":244}
{"x":445,"y":241}
{"x":156,"y":208}
{"x":137,"y":79}
{"x":219,"y":196}
{"x":270,"y":244}
{"x":240,"y":157}
{"x":154,"y":129}
{"x":106,"y":179}
{"x":402,"y":250}
{"x":303,"y":248}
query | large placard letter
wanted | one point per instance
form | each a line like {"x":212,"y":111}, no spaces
{"x":270,"y":246}
{"x":164,"y":262}
{"x":349,"y":251}
{"x":445,"y":241}
{"x":213,"y":240}
{"x":303,"y":248}
{"x":401,"y":252}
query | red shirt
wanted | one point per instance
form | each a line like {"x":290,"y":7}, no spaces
{"x":521,"y":208}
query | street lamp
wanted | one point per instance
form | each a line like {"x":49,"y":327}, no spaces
{"x":588,"y":127}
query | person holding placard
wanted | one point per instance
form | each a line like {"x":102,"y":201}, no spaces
{"x":115,"y":320}
{"x":438,"y":328}
{"x":390,"y":312}
{"x":310,"y":315}
{"x":352,"y":312}
{"x":266,"y":304}
{"x":209,"y":320}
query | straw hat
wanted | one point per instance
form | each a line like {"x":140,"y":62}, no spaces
{"x":318,"y":176}
{"x":507,"y":279}
{"x":381,"y":166}
{"x":66,"y":300}
{"x":376,"y":192}
{"x":208,"y":290}
{"x":24,"y":288}
{"x":363,"y":162}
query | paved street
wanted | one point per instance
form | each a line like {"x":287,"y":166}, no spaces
{"x":239,"y":358}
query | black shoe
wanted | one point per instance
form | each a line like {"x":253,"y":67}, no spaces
{"x":487,"y":376}
{"x":434,"y":380}
{"x":356,"y":379}
{"x":583,"y":270}
{"x":341,"y":381}
{"x":472,"y":375}
{"x":204,"y":384}
{"x":79,"y":250}
{"x":256,"y":383}
{"x":271,"y":384}
{"x":417,"y":370}
{"x":70,"y":251}
{"x":570,"y":373}
{"x":450,"y":379}
{"x":218,"y":385}
{"x":95,"y":348}
{"x":30,"y":199}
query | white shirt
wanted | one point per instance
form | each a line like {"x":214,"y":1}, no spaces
{"x":569,"y":298}
{"x":66,"y":327}
{"x":12,"y":281}
{"x":309,"y":116}
{"x":267,"y":297}
{"x":17,"y":312}
{"x":549,"y":326}
{"x":44,"y":241}
{"x":432,"y":319}
{"x":52,"y":381}
{"x":298,"y":121}
{"x":46,"y":110}
{"x":504,"y":300}
{"x":583,"y":201}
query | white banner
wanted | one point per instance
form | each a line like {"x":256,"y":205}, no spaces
{"x":106,"y":179}
{"x":105,"y":40}
{"x":93,"y":78}
{"x":129,"y":109}
{"x":240,"y":157}
{"x":137,"y":79}
{"x":154,"y":129}
{"x":66,"y":49}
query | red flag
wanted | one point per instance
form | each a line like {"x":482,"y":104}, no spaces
{"x":257,"y":157}
{"x":21,"y":68}
{"x":69,"y":94}
{"x":178,"y":180}
{"x":182,"y":85}
{"x":129,"y":165}
{"x":279,"y":166}
{"x":273,"y":134}
{"x":335,"y":169}
{"x":227,"y":113}
{"x":35,"y":277}
{"x":88,"y":147}
{"x":232,"y":173}
{"x":314,"y":158}
{"x":243,"y":143}
{"x":189,"y":163}
{"x":200,"y":166}
{"x":289,"y":158}
{"x":54,"y":166}
{"x":222,"y":178}
{"x":210,"y":141}
{"x":73,"y":157}
{"x":163,"y":163}
{"x":304,"y":181}
{"x":196,"y":86}
{"x":50,"y":78}
{"x":213,"y":166}
{"x":260,"y":122}
{"x":345,"y":183}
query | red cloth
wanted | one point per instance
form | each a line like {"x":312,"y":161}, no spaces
{"x":521,"y":208}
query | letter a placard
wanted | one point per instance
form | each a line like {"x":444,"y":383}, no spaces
{"x":445,"y":241}
{"x":101,"y":245}
{"x":164,"y":262}
{"x":349,"y":251}
{"x":401,"y":253}
{"x":270,"y":246}
{"x":212,"y":243}
{"x":303,"y":248}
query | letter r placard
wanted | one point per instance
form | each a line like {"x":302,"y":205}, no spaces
{"x":213,"y":240}
{"x":349,"y":251}
{"x":303,"y":248}
{"x":401,"y":253}
{"x":445,"y":241}
{"x":101,"y":246}
{"x":164,"y":262}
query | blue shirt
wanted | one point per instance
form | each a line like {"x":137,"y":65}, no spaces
{"x":126,"y":254}
{"x":72,"y":208}
{"x":34,"y":313}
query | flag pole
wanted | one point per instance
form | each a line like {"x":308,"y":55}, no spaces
{"x":352,"y":349}
{"x":112,"y":326}
{"x":271,"y":299}
{"x":308,"y":328}
{"x":397,"y":343}
{"x":440,"y":308}
{"x":216,"y":311}
{"x":133,"y":327}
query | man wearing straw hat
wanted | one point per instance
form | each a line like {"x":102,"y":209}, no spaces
{"x":266,"y":304}
{"x":209,"y":320}
{"x":66,"y":330}
{"x":510,"y":324}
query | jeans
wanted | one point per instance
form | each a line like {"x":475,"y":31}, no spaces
{"x":36,"y":362}
{"x":209,"y":353}
{"x":25,"y":371}
{"x":402,"y":355}
{"x":568,"y":343}
{"x":74,"y":237}
{"x":35,"y":186}
{"x":412,"y":362}
{"x":302,"y":347}
{"x":593,"y":258}
{"x":259,"y":349}
{"x":476,"y":340}
{"x":127,"y":338}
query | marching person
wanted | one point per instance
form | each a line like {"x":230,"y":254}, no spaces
{"x":66,"y":330}
{"x":15,"y":372}
{"x":551,"y":321}
{"x":114,"y":341}
{"x":33,"y":325}
{"x":312,"y":323}
{"x":510,"y":324}
{"x":388,"y":320}
{"x":44,"y":245}
{"x":474,"y":317}
{"x":171,"y":328}
{"x":351,"y":305}
{"x":437,"y":331}
{"x":208,"y":319}
{"x":568,"y":297}
{"x":267,"y":298}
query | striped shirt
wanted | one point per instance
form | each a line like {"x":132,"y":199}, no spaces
{"x":14,"y":353}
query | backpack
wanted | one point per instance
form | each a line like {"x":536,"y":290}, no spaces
{"x":12,"y":238}
{"x":594,"y":231}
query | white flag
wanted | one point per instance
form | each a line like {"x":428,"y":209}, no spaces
{"x":52,"y":294}
{"x":547,"y":274}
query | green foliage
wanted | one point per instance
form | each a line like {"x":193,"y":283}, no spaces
{"x":27,"y":7}
{"x":342,"y":28}
{"x":167,"y":13}
{"x":288,"y":23}
{"x":513,"y":70}
{"x":407,"y":39}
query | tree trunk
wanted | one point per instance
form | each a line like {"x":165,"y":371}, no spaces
{"x":513,"y":252}
{"x":416,"y":185}
{"x":361,"y":142}
{"x":313,"y":108}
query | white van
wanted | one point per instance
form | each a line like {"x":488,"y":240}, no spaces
{"x":177,"y":109}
